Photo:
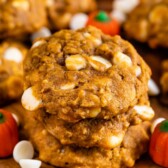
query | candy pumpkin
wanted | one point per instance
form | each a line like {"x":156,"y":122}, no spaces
{"x":102,"y":21}
{"x":158,"y":149}
{"x":8,"y":133}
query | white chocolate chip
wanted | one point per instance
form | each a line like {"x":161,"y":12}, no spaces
{"x":155,"y":123}
{"x":38,"y":43}
{"x":145,"y":112}
{"x":115,"y":140}
{"x":118,"y":15}
{"x":75,"y":62}
{"x":153,"y":89}
{"x":23,"y":150}
{"x":16,"y":119}
{"x":94,"y":112}
{"x":29,"y":101}
{"x":86,"y":34}
{"x":30,"y":163}
{"x":138,"y":71}
{"x":13,"y":54}
{"x":99,"y":63}
{"x":95,"y":40}
{"x":122,"y":59}
{"x":21,"y":4}
{"x":43,"y":32}
{"x":68,"y":86}
{"x":49,"y":3}
{"x":125,"y":6}
{"x":78,"y":21}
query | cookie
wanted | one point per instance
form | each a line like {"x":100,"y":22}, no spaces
{"x":84,"y":71}
{"x":148,"y":22}
{"x":87,"y":93}
{"x":21,"y":17}
{"x":60,"y":12}
{"x":71,"y":156}
{"x":94,"y":132}
{"x":12,"y":55}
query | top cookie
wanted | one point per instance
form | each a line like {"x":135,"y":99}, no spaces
{"x":84,"y":74}
{"x":149,"y":23}
{"x":20,"y":17}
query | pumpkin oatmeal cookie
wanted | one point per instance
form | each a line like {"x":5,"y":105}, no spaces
{"x":94,"y":132}
{"x":60,"y":12}
{"x":21,"y":17}
{"x":148,"y":22}
{"x":87,"y":93}
{"x":134,"y":144}
{"x":85,"y":71}
{"x":12,"y":55}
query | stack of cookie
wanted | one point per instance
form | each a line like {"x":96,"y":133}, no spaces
{"x":87,"y":93}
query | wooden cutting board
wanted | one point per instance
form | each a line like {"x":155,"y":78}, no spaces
{"x":153,"y":58}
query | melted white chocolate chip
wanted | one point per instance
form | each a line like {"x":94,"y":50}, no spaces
{"x":21,"y":4}
{"x":97,"y":41}
{"x":75,"y":62}
{"x":99,"y":63}
{"x":43,"y":32}
{"x":122,"y":59}
{"x":145,"y":112}
{"x":68,"y":86}
{"x":29,"y":101}
{"x":13,"y":54}
{"x":115,"y":140}
{"x":153,"y":89}
{"x":38,"y":43}
{"x":78,"y":21}
{"x":138,"y":71}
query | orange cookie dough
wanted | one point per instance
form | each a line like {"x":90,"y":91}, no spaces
{"x":60,"y":12}
{"x":149,"y":23}
{"x":87,"y":93}
{"x":12,"y":55}
{"x":21,"y":17}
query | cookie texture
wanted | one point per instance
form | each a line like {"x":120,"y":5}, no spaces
{"x":148,"y":22}
{"x":60,"y":12}
{"x":21,"y":17}
{"x":12,"y":55}
{"x":89,"y":100}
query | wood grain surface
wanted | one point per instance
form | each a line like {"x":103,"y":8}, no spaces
{"x":154,"y":59}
